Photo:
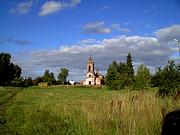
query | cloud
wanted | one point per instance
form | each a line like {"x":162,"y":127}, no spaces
{"x":119,"y":28}
{"x":50,"y":7}
{"x":147,"y":50}
{"x":97,"y":27}
{"x":168,"y":34}
{"x":151,"y":51}
{"x":19,"y":42}
{"x":22,"y":7}
{"x":74,"y":3}
{"x":88,"y":41}
{"x":104,"y":8}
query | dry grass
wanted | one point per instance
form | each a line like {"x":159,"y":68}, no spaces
{"x":71,"y":110}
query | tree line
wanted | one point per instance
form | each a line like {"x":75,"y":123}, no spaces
{"x":10,"y":74}
{"x":121,"y":75}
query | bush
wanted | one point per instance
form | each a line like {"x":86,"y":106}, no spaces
{"x":167,"y":79}
{"x":142,"y":78}
{"x":18,"y":82}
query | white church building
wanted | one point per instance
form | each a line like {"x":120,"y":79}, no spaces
{"x":92,"y":78}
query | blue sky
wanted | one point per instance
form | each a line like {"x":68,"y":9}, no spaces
{"x":63,"y":33}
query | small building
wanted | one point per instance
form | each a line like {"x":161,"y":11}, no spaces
{"x":43,"y":84}
{"x":92,"y":78}
{"x":72,"y":82}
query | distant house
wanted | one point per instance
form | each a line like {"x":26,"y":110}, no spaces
{"x":43,"y":84}
{"x":92,"y":78}
{"x":72,"y":82}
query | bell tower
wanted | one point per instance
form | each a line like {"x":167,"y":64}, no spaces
{"x":90,"y":65}
{"x":90,"y":75}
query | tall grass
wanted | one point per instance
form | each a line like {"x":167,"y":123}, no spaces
{"x":70,"y":110}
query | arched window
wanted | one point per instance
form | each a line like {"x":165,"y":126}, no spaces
{"x":89,"y":69}
{"x":89,"y":82}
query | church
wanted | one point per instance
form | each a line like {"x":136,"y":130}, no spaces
{"x":92,"y":78}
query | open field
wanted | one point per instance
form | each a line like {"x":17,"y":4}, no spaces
{"x":83,"y":110}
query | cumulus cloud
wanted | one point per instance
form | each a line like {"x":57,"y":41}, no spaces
{"x":22,"y":7}
{"x":50,"y":7}
{"x":151,"y":51}
{"x":88,"y":41}
{"x":97,"y":27}
{"x":147,"y":50}
{"x":116,"y":26}
{"x":168,"y":34}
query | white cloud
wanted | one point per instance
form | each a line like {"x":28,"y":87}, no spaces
{"x":89,"y":41}
{"x":22,"y":7}
{"x":97,"y":27}
{"x":147,"y":50}
{"x":151,"y":51}
{"x":119,"y":28}
{"x":168,"y":34}
{"x":74,"y":3}
{"x":104,"y":8}
{"x":50,"y":7}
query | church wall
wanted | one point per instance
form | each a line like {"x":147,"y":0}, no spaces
{"x":92,"y":80}
{"x":98,"y":81}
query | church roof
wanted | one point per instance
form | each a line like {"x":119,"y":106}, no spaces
{"x":90,"y":60}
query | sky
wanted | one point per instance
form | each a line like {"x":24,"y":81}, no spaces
{"x":53,"y":34}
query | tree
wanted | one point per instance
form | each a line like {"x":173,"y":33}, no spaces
{"x":28,"y":81}
{"x":130,"y":70}
{"x":18,"y":82}
{"x":8,"y":71}
{"x":112,"y":76}
{"x":123,"y":77}
{"x":63,"y":75}
{"x":157,"y":78}
{"x":167,"y":79}
{"x":142,"y":78}
{"x":37,"y":80}
{"x":120,"y":75}
{"x":48,"y":77}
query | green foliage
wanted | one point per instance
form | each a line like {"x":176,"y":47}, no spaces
{"x":120,"y":75}
{"x":42,"y":119}
{"x":28,"y":81}
{"x":8,"y":71}
{"x":85,"y":111}
{"x":18,"y":82}
{"x":48,"y":77}
{"x":142,"y":78}
{"x":130,"y":70}
{"x":37,"y":80}
{"x":167,"y":79}
{"x":112,"y":76}
{"x":63,"y":75}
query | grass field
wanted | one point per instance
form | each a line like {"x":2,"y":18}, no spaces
{"x":83,"y":111}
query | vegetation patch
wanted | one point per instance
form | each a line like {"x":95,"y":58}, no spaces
{"x":75,"y":110}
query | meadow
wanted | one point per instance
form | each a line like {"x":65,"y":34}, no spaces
{"x":65,"y":110}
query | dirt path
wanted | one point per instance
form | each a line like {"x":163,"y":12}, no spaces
{"x":4,"y":105}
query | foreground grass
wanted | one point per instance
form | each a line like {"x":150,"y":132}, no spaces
{"x":91,"y":111}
